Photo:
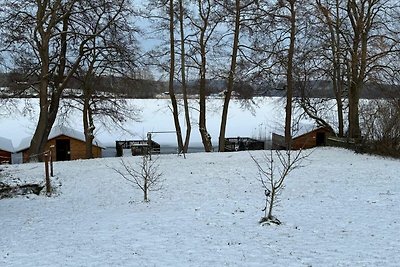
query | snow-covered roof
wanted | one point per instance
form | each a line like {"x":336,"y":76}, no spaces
{"x":57,"y":131}
{"x":62,"y":130}
{"x":6,"y":145}
{"x":24,"y":144}
{"x":303,"y":128}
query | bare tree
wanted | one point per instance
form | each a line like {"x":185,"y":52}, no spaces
{"x":381,"y":126}
{"x":273,"y":170}
{"x":354,"y":46}
{"x":171,"y":89}
{"x":319,"y":67}
{"x":54,"y":40}
{"x":165,"y":14}
{"x":291,"y":17}
{"x":146,"y":176}
{"x":109,"y":111}
{"x":87,"y":111}
{"x":231,"y":76}
{"x":371,"y":38}
{"x":278,"y":28}
{"x":183,"y":76}
{"x":204,"y":22}
{"x":333,"y":19}
{"x":234,"y":14}
{"x":114,"y":53}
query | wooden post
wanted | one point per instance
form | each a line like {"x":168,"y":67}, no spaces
{"x":51,"y":162}
{"x":149,"y":148}
{"x":46,"y":168}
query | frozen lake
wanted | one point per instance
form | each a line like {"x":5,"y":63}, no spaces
{"x":256,"y":120}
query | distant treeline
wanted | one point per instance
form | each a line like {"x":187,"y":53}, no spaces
{"x":17,"y":85}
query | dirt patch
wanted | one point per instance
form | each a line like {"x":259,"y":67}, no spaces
{"x":7,"y":191}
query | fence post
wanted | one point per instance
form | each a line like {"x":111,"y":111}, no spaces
{"x":149,"y":148}
{"x":46,"y":167}
{"x":51,"y":161}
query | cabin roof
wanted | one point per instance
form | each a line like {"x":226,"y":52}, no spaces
{"x":6,"y":145}
{"x":299,"y":130}
{"x":318,"y":129}
{"x":57,"y":131}
{"x":302,"y":129}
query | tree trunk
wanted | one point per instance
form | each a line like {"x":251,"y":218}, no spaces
{"x":271,"y":203}
{"x":47,"y":117}
{"x":289,"y":76}
{"x":48,"y":110}
{"x":171,"y":90}
{"x":146,"y":189}
{"x":184,"y":86}
{"x":339,"y":76}
{"x":231,"y":77}
{"x":354,"y":121}
{"x":39,"y":138}
{"x":340,"y":116}
{"x":88,"y":127}
{"x":205,"y":136}
{"x":361,"y":18}
{"x":87,"y":113}
{"x":354,"y":89}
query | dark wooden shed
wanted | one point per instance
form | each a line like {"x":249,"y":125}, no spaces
{"x":309,"y":139}
{"x":6,"y":150}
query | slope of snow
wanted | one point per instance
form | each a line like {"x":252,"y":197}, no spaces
{"x":340,"y":209}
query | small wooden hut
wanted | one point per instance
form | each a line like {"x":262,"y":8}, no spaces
{"x":65,"y":144}
{"x":6,"y":150}
{"x":306,"y":138}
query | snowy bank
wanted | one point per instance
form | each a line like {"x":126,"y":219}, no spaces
{"x":340,"y":209}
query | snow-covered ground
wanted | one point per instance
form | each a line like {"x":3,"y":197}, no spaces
{"x":340,"y":209}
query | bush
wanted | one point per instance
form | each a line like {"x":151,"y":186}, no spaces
{"x":380,"y":120}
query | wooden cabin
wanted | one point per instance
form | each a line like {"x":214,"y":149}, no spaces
{"x":6,"y":150}
{"x":65,"y":144}
{"x":243,"y":143}
{"x":304,"y":140}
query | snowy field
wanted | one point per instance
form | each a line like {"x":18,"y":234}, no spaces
{"x":340,"y":209}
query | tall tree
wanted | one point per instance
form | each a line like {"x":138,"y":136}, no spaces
{"x":166,"y":14}
{"x":291,"y":17}
{"x":278,"y":21}
{"x":371,"y":39}
{"x":112,"y":53}
{"x":356,"y":41}
{"x":109,"y":110}
{"x":171,"y":89}
{"x":234,"y":13}
{"x":87,"y":111}
{"x":204,"y":22}
{"x":54,"y":37}
{"x":361,"y":15}
{"x":183,"y":76}
{"x":332,"y":18}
